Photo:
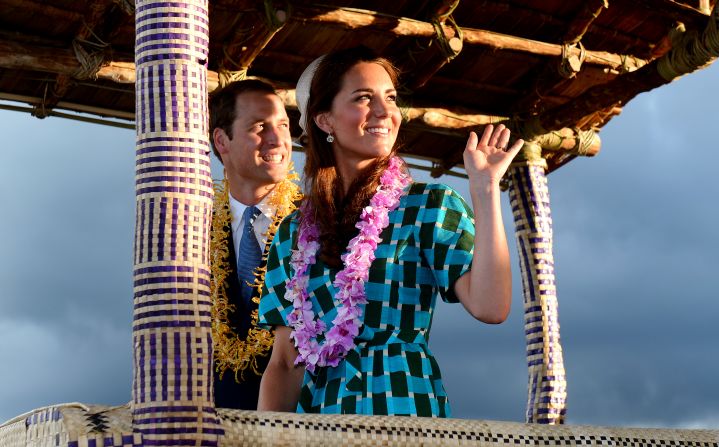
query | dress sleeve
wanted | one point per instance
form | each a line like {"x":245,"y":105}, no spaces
{"x":273,"y":308}
{"x":446,"y":237}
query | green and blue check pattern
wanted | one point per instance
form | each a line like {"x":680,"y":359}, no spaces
{"x":426,"y":247}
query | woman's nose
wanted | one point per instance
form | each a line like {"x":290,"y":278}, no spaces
{"x":380,"y":108}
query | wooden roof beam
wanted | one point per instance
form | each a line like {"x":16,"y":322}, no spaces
{"x":557,"y":72}
{"x":692,"y":51}
{"x":94,"y":18}
{"x":15,"y":55}
{"x":241,"y":50}
{"x":584,"y":19}
{"x":565,"y":141}
{"x":100,"y":111}
{"x":352,"y":19}
{"x":24,"y":56}
{"x":441,"y":49}
{"x":443,"y":9}
{"x":677,"y":11}
{"x":521,"y":13}
{"x":43,"y":9}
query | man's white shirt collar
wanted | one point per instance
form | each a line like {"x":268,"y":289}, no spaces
{"x":262,"y":222}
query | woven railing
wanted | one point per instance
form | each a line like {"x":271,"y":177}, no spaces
{"x":76,"y":425}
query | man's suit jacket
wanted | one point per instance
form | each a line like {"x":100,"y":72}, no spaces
{"x":229,"y":393}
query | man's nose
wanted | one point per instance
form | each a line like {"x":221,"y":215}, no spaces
{"x":272,"y":135}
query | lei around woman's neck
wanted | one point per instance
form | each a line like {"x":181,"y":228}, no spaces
{"x":350,"y":281}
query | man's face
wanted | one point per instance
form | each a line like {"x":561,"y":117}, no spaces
{"x":260,"y":150}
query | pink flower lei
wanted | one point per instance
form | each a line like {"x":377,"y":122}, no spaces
{"x":350,"y":281}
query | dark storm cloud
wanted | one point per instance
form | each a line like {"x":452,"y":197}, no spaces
{"x":73,"y":215}
{"x":635,"y":246}
{"x":66,"y":264}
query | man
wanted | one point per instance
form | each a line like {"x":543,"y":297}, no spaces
{"x":250,"y":134}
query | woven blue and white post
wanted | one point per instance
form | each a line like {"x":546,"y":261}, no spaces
{"x":172,"y":401}
{"x":529,"y":197}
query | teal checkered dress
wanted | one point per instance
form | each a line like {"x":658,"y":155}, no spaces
{"x":426,"y":247}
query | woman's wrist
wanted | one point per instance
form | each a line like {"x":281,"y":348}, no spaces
{"x":484,"y":185}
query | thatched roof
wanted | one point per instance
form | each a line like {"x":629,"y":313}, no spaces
{"x":546,"y":65}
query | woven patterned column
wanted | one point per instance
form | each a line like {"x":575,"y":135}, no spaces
{"x":547,"y":390}
{"x":172,"y":402}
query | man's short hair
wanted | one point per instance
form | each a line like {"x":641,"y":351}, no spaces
{"x":222,"y":104}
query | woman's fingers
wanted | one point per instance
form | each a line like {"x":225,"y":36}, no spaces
{"x":494,"y":138}
{"x":497,"y":135}
{"x":471,"y":142}
{"x":486,"y":135}
{"x":516,"y":147}
{"x":503,"y":139}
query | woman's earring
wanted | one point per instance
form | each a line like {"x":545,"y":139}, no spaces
{"x":330,"y":138}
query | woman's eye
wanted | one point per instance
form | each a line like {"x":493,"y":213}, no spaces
{"x":363,"y":98}
{"x":392,"y":98}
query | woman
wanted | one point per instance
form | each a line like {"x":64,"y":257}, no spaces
{"x":353,"y":276}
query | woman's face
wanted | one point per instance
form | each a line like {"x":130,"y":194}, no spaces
{"x":364,"y":118}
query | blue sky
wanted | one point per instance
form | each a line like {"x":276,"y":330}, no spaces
{"x":635,"y":251}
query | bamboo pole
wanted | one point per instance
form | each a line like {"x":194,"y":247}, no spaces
{"x":172,"y":394}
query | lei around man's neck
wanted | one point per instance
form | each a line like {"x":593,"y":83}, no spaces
{"x":230,"y":351}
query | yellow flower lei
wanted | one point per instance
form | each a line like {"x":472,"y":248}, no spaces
{"x":230,"y":352}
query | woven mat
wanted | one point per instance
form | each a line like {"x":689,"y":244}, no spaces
{"x":78,"y":425}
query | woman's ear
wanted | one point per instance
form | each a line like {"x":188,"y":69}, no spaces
{"x":324,"y":122}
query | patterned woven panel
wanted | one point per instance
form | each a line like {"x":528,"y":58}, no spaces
{"x":77,"y":425}
{"x":547,"y":388}
{"x":71,"y":425}
{"x":172,"y":385}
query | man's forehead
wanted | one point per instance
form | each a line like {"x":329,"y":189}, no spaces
{"x":259,"y":106}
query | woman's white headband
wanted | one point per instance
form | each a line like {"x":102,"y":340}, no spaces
{"x":302,"y":91}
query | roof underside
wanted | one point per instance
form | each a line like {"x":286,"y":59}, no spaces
{"x":464,"y":63}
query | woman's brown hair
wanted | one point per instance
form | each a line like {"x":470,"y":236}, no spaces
{"x":336,"y":213}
